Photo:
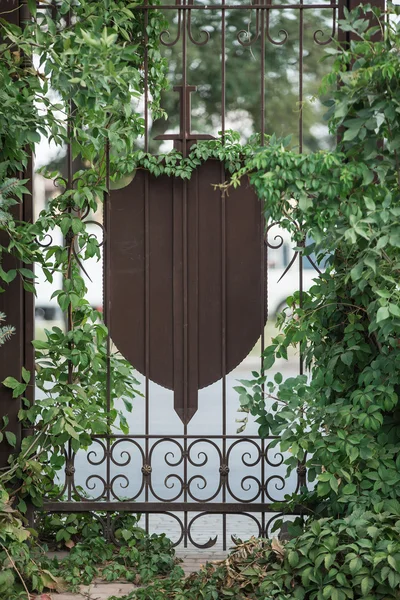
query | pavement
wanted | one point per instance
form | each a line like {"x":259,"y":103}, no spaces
{"x":100,"y":590}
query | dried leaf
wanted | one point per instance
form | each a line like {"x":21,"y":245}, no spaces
{"x":278,"y":548}
{"x":51,"y":582}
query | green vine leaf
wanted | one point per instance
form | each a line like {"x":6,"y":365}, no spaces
{"x":11,"y":438}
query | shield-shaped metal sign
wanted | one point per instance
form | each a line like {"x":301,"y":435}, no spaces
{"x":186,"y":278}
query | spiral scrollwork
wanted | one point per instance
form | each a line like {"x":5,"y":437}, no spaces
{"x":172,"y":458}
{"x":277,"y":237}
{"x":200,"y":459}
{"x":42,"y":243}
{"x":125,"y":456}
{"x":254,"y":446}
{"x":283,"y":34}
{"x":212,"y":540}
{"x":92,"y":482}
{"x":91,"y":456}
{"x":121,"y":456}
{"x":170,"y":482}
{"x":244,"y":36}
{"x":165,"y":34}
{"x":60,"y":181}
{"x":278,"y":456}
{"x":296,"y":253}
{"x":248,"y":482}
{"x":187,"y":487}
{"x":102,"y":228}
{"x":319,"y":34}
{"x":279,"y":485}
{"x":203,"y":32}
{"x":122,"y":481}
{"x":246,"y":485}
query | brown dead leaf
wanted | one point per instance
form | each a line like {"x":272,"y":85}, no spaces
{"x":278,"y":548}
{"x":52,"y":583}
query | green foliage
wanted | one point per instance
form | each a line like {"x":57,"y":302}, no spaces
{"x":6,"y":331}
{"x":91,"y":53}
{"x":227,"y":149}
{"x":64,"y":76}
{"x":19,"y":561}
{"x":343,"y":424}
{"x":357,"y":556}
{"x":243,"y":70}
{"x":139,"y":557}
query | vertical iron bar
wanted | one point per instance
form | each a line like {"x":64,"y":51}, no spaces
{"x":69,"y":319}
{"x":264,"y":299}
{"x":147,"y":328}
{"x":301,"y":70}
{"x":185,"y":97}
{"x":262,"y":71}
{"x":146,"y":80}
{"x":264,"y":22}
{"x":300,"y":479}
{"x":147,"y":285}
{"x":106,"y":292}
{"x":223,"y":344}
{"x":223,"y":274}
{"x":223,"y":71}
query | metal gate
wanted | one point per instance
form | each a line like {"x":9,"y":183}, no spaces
{"x":188,"y":279}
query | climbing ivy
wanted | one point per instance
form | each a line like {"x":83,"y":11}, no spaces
{"x":341,"y":420}
{"x":343,"y":423}
{"x":65,"y":73}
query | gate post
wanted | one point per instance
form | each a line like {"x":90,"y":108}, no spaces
{"x":15,"y":302}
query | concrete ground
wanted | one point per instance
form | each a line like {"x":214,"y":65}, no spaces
{"x":192,"y":561}
{"x":211,"y":526}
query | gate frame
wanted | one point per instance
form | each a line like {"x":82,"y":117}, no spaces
{"x":18,"y":352}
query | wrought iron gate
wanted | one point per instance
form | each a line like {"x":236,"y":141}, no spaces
{"x":187,"y":283}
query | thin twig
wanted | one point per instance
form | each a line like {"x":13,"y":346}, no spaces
{"x":16,"y":570}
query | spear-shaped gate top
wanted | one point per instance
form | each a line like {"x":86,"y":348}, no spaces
{"x":186,"y":284}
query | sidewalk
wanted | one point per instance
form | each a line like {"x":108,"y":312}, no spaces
{"x":99,"y":590}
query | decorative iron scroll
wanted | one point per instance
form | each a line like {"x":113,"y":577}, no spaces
{"x":187,"y":288}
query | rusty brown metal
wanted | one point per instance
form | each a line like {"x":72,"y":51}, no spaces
{"x":186,"y":299}
{"x":185,"y":138}
{"x":171,"y":212}
{"x":15,"y":302}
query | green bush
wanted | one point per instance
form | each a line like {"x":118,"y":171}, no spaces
{"x":353,"y":557}
{"x":342,"y":423}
